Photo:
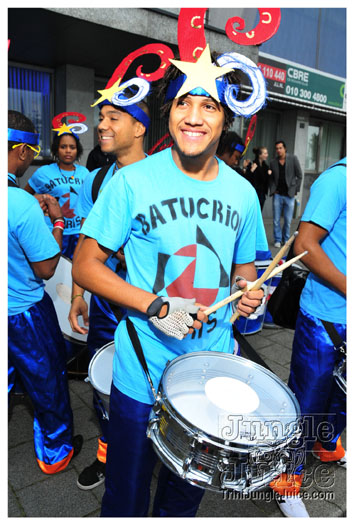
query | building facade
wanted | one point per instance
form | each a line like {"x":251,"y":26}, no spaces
{"x":60,"y":57}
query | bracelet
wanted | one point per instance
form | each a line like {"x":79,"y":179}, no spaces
{"x":58,"y":228}
{"x":58,"y":219}
{"x":59,"y":224}
{"x":77,"y":295}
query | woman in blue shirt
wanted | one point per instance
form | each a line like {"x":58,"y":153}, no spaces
{"x":63,"y":179}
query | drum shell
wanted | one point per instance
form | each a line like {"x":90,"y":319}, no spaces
{"x":210,"y":462}
{"x":59,"y":289}
{"x":340,"y":374}
{"x":100,"y":373}
{"x":268,"y":318}
{"x":253,"y":324}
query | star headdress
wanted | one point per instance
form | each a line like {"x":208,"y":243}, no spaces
{"x":75,"y":127}
{"x":202,"y":74}
{"x":128,"y":94}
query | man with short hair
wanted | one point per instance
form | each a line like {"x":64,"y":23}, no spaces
{"x":284,"y":184}
{"x":36,"y":345}
{"x":121,"y":132}
{"x":186,"y":238}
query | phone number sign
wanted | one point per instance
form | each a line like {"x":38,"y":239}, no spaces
{"x":303,"y":84}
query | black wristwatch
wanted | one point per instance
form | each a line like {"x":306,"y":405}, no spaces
{"x":155,"y":307}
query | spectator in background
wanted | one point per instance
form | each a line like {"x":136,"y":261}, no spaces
{"x":284,"y":184}
{"x":257,"y":173}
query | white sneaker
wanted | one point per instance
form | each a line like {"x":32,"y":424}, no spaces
{"x":277,"y":245}
{"x":292,"y":506}
{"x":342,"y":462}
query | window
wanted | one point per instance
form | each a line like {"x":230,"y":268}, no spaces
{"x":324,"y":146}
{"x":312,"y":148}
{"x":29,"y":93}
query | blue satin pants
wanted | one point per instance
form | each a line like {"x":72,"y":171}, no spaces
{"x":69,"y":245}
{"x":130,"y":464}
{"x":322,"y":402}
{"x":36,"y":352}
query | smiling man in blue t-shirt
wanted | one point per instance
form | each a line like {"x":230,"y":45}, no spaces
{"x":189,"y":226}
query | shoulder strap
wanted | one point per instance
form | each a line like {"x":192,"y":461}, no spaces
{"x":336,"y":339}
{"x":139,"y":353}
{"x":248,"y":349}
{"x":97,"y":182}
{"x":12,"y":184}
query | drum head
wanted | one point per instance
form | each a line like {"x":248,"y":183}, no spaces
{"x":59,"y":289}
{"x":231,"y":398}
{"x":101,"y":369}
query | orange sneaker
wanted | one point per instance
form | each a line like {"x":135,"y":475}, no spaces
{"x":338,"y":456}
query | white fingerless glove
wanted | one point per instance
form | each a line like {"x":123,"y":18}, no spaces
{"x":177,"y":320}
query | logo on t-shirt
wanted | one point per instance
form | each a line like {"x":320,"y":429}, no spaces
{"x":193,"y":271}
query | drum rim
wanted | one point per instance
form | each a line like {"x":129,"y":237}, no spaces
{"x":187,"y":425}
{"x":92,"y":361}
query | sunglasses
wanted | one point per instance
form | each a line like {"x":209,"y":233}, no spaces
{"x":36,"y":149}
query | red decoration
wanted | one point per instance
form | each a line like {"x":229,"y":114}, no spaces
{"x":250,"y":132}
{"x":57,"y":121}
{"x":164,"y":53}
{"x":159,"y":146}
{"x":190,"y":33}
{"x":265,"y":29}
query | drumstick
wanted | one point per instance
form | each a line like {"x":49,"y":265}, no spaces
{"x":272,"y":265}
{"x":277,"y":258}
{"x":252,"y":285}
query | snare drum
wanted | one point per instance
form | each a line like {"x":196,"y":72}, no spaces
{"x":100,"y":373}
{"x":59,"y":289}
{"x":222,"y":422}
{"x":340,"y":374}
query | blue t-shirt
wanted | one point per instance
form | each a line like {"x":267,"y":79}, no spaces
{"x":29,"y":240}
{"x":84,"y":205}
{"x":84,"y":201}
{"x":327,"y":207}
{"x":181,"y":237}
{"x":65,"y":186}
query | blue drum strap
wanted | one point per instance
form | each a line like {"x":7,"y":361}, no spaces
{"x":248,"y":349}
{"x":139,"y":353}
{"x":336,"y":339}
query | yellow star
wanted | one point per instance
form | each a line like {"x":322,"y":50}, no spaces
{"x":107,"y":94}
{"x":201,"y":74}
{"x":63,"y":129}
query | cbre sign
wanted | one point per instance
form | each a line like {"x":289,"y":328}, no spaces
{"x":303,"y":84}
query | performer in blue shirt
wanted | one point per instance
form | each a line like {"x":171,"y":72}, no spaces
{"x":36,"y":346}
{"x":63,"y":179}
{"x":121,"y":132}
{"x":186,"y":237}
{"x":322,"y":233}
